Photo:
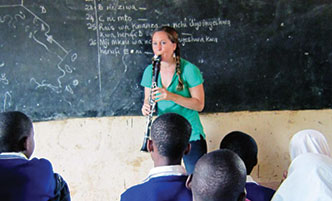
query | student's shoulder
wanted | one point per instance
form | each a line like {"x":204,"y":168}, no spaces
{"x":134,"y":193}
{"x":256,"y":192}
{"x":145,"y":186}
{"x":41,"y":163}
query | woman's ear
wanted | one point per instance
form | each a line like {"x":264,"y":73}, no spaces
{"x":188,"y":182}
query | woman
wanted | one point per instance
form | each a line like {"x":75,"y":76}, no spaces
{"x":180,"y":89}
{"x":310,"y":173}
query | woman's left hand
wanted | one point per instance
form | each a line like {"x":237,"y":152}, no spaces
{"x":195,"y":102}
{"x":161,"y":94}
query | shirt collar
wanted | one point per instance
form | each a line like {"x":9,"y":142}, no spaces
{"x":250,"y":179}
{"x":12,"y":155}
{"x":170,"y":170}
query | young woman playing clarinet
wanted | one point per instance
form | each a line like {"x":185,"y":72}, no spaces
{"x":179,"y":89}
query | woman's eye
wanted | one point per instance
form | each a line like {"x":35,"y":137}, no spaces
{"x":163,"y":43}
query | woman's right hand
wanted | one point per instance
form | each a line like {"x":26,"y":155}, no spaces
{"x":146,"y":109}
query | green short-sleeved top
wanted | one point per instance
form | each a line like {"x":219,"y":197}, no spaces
{"x":191,"y":77}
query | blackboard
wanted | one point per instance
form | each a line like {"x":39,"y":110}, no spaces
{"x":61,"y":59}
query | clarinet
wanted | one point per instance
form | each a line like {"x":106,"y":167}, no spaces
{"x":155,"y":71}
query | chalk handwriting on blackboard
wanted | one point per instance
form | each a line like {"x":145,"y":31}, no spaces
{"x":120,"y":32}
{"x":87,"y":57}
{"x":39,"y":31}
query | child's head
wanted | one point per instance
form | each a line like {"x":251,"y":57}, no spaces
{"x":218,"y":175}
{"x":244,"y":145}
{"x":308,"y":141}
{"x":170,"y":135}
{"x":16,"y":133}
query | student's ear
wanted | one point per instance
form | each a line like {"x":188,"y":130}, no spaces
{"x":150,"y":145}
{"x":23,"y":143}
{"x":188,"y":182}
{"x":187,"y":150}
{"x":256,"y":161}
{"x":242,"y":197}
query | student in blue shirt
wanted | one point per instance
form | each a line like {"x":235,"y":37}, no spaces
{"x":166,"y":181}
{"x":218,"y":176}
{"x":22,"y":178}
{"x":245,"y":146}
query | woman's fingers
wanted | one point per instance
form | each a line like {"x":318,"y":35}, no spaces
{"x":145,"y":109}
{"x":159,"y":94}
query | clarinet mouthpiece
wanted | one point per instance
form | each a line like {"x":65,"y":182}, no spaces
{"x":156,"y":58}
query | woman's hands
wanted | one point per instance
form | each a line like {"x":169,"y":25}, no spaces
{"x":159,"y":94}
{"x":146,"y":108}
{"x":195,"y":102}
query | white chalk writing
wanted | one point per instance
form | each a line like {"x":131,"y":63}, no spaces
{"x":121,"y":28}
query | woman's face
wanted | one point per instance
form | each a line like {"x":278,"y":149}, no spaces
{"x":162,"y":45}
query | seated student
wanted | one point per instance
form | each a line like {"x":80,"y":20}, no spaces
{"x":170,"y":135}
{"x":245,"y":146}
{"x":309,"y":174}
{"x":218,"y":176}
{"x":308,"y":141}
{"x":23,"y":179}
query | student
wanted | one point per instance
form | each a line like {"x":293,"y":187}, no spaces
{"x":24,"y":179}
{"x":309,"y":174}
{"x":179,"y":89}
{"x":166,"y":181}
{"x":245,"y":146}
{"x":306,"y":141}
{"x":218,"y":176}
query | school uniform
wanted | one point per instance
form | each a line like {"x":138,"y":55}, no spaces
{"x":256,"y":192}
{"x":309,"y":174}
{"x":162,"y":183}
{"x":22,"y":179}
{"x":309,"y":179}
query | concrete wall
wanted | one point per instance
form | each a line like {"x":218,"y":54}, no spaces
{"x":100,"y":157}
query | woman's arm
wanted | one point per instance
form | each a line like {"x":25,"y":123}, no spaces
{"x":196,"y":102}
{"x":146,"y":106}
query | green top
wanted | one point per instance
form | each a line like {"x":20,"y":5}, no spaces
{"x":191,"y":77}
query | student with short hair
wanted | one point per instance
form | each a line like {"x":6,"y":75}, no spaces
{"x":245,"y":146}
{"x":218,"y":176}
{"x":22,"y":178}
{"x":169,"y":141}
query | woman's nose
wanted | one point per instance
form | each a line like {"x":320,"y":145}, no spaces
{"x":158,"y":46}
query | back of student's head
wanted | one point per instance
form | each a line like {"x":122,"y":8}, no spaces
{"x":219,"y":176}
{"x":170,"y":133}
{"x":308,"y":141}
{"x":15,"y":128}
{"x":242,"y":144}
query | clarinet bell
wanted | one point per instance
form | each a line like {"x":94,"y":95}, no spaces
{"x":145,"y":145}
